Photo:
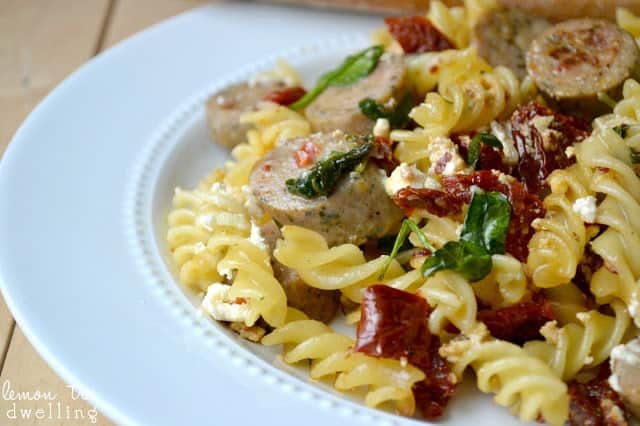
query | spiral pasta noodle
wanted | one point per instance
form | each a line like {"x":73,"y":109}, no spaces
{"x":337,"y":268}
{"x":561,"y":236}
{"x":453,"y":302}
{"x":387,"y":380}
{"x":271,"y":123}
{"x":196,"y":217}
{"x":629,"y":22}
{"x":505,"y":285}
{"x":254,"y":282}
{"x":520,"y":381}
{"x":570,"y":348}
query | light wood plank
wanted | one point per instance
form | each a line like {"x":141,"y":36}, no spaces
{"x":25,"y":371}
{"x":131,"y":16}
{"x":37,"y":62}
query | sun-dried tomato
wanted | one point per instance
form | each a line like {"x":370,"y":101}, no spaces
{"x":285,"y":96}
{"x":416,"y":34}
{"x":382,"y":154}
{"x":306,"y":155}
{"x":518,"y":323}
{"x":525,"y":207}
{"x":434,"y":201}
{"x":594,"y":403}
{"x":394,"y":325}
{"x":542,"y":136}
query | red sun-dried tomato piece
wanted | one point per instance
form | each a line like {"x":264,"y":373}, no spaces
{"x":382,"y":154}
{"x":490,"y":158}
{"x":393,"y":324}
{"x":525,"y":207}
{"x":595,"y":403}
{"x":518,"y":323}
{"x":541,"y":136}
{"x":416,"y":34}
{"x":285,"y":96}
{"x":434,"y":201}
{"x":306,"y":155}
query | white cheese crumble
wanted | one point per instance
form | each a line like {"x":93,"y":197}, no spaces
{"x":408,"y":175}
{"x":256,"y":237}
{"x":199,"y":247}
{"x":438,"y":148}
{"x":627,"y":354}
{"x":503,"y":133}
{"x":585,"y":207}
{"x":206,"y":221}
{"x":222,"y":307}
{"x":570,"y":152}
{"x":381,"y":128}
{"x":542,"y":123}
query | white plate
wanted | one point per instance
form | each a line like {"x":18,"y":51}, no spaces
{"x":85,"y":187}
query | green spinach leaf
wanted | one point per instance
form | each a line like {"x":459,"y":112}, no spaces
{"x":484,"y":233}
{"x":353,"y":68}
{"x":468,"y":259}
{"x":487,"y":221}
{"x":407,"y":226}
{"x":473,"y":152}
{"x":324,"y":176}
{"x":398,"y":117}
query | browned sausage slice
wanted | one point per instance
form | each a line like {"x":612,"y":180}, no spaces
{"x":225,"y":107}
{"x":358,"y":209}
{"x":577,"y":59}
{"x":337,"y":107}
{"x":502,"y":37}
{"x":318,"y":304}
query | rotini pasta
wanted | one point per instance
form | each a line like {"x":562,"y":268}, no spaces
{"x":558,"y":244}
{"x":570,"y":348}
{"x":387,"y":379}
{"x":520,"y":381}
{"x":453,"y":302}
{"x":337,"y":268}
{"x":628,"y":22}
{"x":196,"y":217}
{"x":505,"y":286}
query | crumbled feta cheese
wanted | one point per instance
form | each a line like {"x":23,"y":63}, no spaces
{"x":570,"y":152}
{"x":504,"y":178}
{"x":503,"y":133}
{"x":440,"y":147}
{"x":623,"y":355}
{"x":634,"y":307}
{"x":205,"y":220}
{"x":251,"y":203}
{"x":381,"y":128}
{"x":403,"y":176}
{"x":409,"y":176}
{"x":541,"y":124}
{"x":256,"y":237}
{"x":222,"y":307}
{"x":585,"y":207}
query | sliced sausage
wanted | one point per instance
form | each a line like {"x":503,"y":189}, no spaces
{"x":225,"y":107}
{"x":358,"y":209}
{"x":320,"y":305}
{"x":502,"y":37}
{"x":560,"y":10}
{"x":575,"y":60}
{"x":337,"y":107}
{"x":625,"y":373}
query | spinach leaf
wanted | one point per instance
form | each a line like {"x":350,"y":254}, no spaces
{"x":398,"y":117}
{"x":351,"y":70}
{"x":468,"y":259}
{"x":484,"y":233}
{"x":407,"y":226}
{"x":487,"y":221}
{"x":324,"y":176}
{"x":473,"y":152}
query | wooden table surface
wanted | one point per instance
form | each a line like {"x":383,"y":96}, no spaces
{"x":41,"y":42}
